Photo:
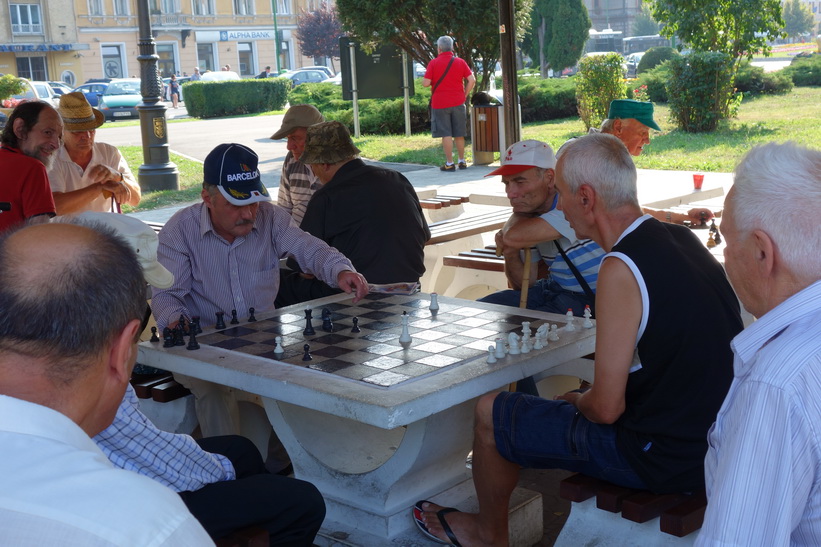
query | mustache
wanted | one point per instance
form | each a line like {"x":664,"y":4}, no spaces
{"x":243,"y":222}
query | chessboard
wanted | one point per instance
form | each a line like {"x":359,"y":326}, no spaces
{"x":457,"y":332}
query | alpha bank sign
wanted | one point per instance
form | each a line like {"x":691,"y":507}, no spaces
{"x":233,"y":35}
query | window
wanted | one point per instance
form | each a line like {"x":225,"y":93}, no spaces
{"x":112,"y":55}
{"x":283,"y":7}
{"x":243,"y":7}
{"x":245,"y":53}
{"x":167,"y":60}
{"x":120,"y":7}
{"x":170,"y":6}
{"x":204,"y":7}
{"x":25,"y":19}
{"x":33,"y":68}
{"x":206,"y":57}
{"x":95,"y":7}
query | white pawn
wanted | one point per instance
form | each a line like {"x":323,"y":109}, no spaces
{"x":434,"y":302}
{"x":571,"y":321}
{"x":405,"y":338}
{"x":588,"y":324}
{"x":491,"y":354}
{"x":526,"y":343}
{"x":500,"y":348}
{"x":279,"y":350}
{"x":513,"y":342}
{"x":553,"y":335}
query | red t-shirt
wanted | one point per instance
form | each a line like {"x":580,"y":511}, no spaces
{"x":451,"y":92}
{"x":25,"y":185}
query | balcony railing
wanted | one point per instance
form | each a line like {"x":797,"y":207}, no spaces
{"x":26,"y":29}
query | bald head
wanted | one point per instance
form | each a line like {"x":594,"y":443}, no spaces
{"x":66,"y":291}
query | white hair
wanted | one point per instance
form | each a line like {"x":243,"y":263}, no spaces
{"x":445,"y":43}
{"x":777,"y":189}
{"x":602,"y":162}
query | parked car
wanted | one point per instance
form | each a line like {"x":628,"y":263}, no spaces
{"x":3,"y":120}
{"x":324,"y":69}
{"x":37,"y":91}
{"x":303,"y":76}
{"x":336,"y":80}
{"x":632,"y":63}
{"x":92,"y":91}
{"x":180,"y":80}
{"x":120,"y":99}
{"x":60,"y":88}
{"x":219,"y":76}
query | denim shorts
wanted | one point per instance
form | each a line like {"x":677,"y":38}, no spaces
{"x":448,"y":122}
{"x":544,"y":434}
{"x":545,"y":295}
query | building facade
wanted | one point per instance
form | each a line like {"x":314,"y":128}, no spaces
{"x":78,"y":40}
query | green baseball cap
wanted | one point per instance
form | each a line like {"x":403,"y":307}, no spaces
{"x":638,"y":110}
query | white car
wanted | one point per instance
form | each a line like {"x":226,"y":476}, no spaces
{"x":38,"y":91}
{"x":219,"y":76}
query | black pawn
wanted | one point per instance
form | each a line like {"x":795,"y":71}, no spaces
{"x":234,"y":320}
{"x":183,"y":323}
{"x":168,"y":338}
{"x":355,"y":327}
{"x":192,"y":339}
{"x":251,"y":316}
{"x":309,"y":328}
{"x":327,"y":322}
{"x":179,"y":335}
{"x":195,"y":321}
{"x":307,"y":355}
{"x":713,"y":228}
{"x":220,"y":320}
{"x":717,"y":237}
{"x":154,"y":337}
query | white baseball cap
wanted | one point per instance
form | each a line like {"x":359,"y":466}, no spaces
{"x":142,"y":239}
{"x":525,"y":155}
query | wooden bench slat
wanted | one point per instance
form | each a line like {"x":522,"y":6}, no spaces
{"x":610,"y":497}
{"x":484,"y":264}
{"x":430,"y":204}
{"x":143,"y":387}
{"x":461,"y":199}
{"x":448,"y":230}
{"x":686,"y":517}
{"x":645,"y":506}
{"x":578,"y":487}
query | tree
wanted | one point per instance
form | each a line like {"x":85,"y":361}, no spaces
{"x":10,"y":85}
{"x":798,"y":18}
{"x":415,"y":25}
{"x":559,"y":30}
{"x":738,"y":28}
{"x":318,"y":32}
{"x":644,"y":24}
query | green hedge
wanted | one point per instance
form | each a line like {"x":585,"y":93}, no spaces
{"x":753,"y":80}
{"x":805,"y":71}
{"x":656,"y":81}
{"x":700,"y":90}
{"x":598,"y":82}
{"x":233,"y":97}
{"x":655,"y":56}
{"x":547,"y":99}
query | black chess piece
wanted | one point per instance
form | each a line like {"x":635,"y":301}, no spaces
{"x":713,"y":228}
{"x":327,"y":322}
{"x":717,"y":237}
{"x":183,"y":322}
{"x":179,"y":335}
{"x":220,"y":320}
{"x":234,"y":320}
{"x":168,"y":338}
{"x":309,"y":328}
{"x":196,"y":322}
{"x":355,"y":327}
{"x":251,"y":316}
{"x":307,"y":355}
{"x":154,"y":337}
{"x":192,"y":339}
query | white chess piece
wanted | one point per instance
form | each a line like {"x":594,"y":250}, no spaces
{"x":500,"y":348}
{"x":526,"y":329}
{"x":513,"y":342}
{"x":571,"y":321}
{"x":405,"y":338}
{"x":434,"y":302}
{"x":541,"y":336}
{"x":553,"y":334}
{"x":587,"y":323}
{"x":526,"y":343}
{"x":491,"y":354}
{"x":279,"y":350}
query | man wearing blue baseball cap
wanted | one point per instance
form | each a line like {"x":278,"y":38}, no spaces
{"x":224,"y":253}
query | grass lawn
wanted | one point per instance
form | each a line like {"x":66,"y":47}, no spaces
{"x":760,"y":119}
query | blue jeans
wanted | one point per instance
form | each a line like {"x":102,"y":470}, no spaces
{"x":546,"y":295}
{"x":544,"y":434}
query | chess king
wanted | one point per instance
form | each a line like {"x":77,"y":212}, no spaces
{"x":224,"y":253}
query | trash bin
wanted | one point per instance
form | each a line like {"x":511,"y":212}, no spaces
{"x":487,"y":123}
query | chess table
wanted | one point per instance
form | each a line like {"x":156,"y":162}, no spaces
{"x":374,"y":426}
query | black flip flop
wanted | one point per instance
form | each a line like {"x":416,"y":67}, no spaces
{"x":417,"y":518}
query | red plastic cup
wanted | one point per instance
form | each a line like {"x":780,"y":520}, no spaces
{"x":698,"y":180}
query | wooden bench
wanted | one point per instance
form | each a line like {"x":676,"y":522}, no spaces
{"x":161,"y":387}
{"x":442,"y":201}
{"x":467,"y":225}
{"x":594,"y":515}
{"x":484,"y":259}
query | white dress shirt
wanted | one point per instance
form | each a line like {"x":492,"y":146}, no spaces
{"x":67,"y":176}
{"x":57,"y":488}
{"x":763,"y":467}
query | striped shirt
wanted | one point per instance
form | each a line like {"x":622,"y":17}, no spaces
{"x":212,"y":275}
{"x":296,"y":186}
{"x":585,"y":254}
{"x":763,"y":467}
{"x":133,"y":443}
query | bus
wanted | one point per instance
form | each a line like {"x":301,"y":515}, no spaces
{"x":605,"y":40}
{"x":635,"y":44}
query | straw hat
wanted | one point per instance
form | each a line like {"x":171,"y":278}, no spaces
{"x":77,"y":114}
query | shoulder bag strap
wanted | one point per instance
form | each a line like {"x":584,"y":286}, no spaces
{"x":443,"y":75}
{"x":585,"y":287}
